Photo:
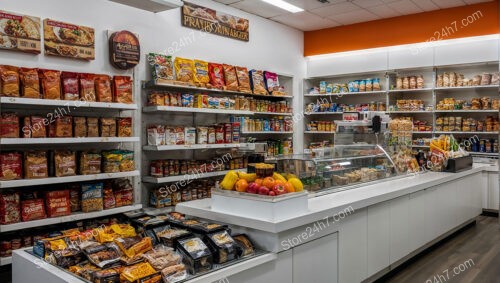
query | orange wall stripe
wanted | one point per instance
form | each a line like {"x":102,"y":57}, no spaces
{"x":406,"y":29}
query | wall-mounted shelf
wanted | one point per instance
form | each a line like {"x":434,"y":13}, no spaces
{"x":194,"y":146}
{"x":186,"y":177}
{"x":21,"y":141}
{"x":194,"y":110}
{"x":66,"y":104}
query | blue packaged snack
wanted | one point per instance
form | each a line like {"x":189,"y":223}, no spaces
{"x":356,"y":86}
{"x":362,"y":85}
{"x":350,"y":86}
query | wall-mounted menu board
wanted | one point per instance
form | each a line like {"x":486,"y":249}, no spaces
{"x":19,"y":32}
{"x":68,"y":40}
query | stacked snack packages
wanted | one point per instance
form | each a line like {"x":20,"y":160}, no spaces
{"x":452,"y":79}
{"x":158,"y":134}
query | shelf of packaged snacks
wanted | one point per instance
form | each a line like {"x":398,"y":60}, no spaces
{"x":19,"y":141}
{"x":194,"y":110}
{"x":192,"y":146}
{"x":67,"y":104}
{"x":69,"y":218}
{"x":422,"y":132}
{"x":419,"y":146}
{"x":483,"y":153}
{"x":346,"y":93}
{"x":151,"y":84}
{"x":467,"y":111}
{"x":468,"y":87}
{"x":325,"y":113}
{"x":318,"y":132}
{"x":193,"y":176}
{"x":68,"y":179}
{"x":266,"y":132}
{"x":411,"y":90}
{"x":5,"y":260}
{"x":471,"y":133}
{"x":407,"y":112}
{"x":273,"y":113}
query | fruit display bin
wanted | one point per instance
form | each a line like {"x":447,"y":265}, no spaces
{"x":259,"y":206}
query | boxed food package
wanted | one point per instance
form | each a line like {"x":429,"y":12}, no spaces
{"x":125,"y":127}
{"x":35,"y":165}
{"x":11,"y":166}
{"x":58,"y":203}
{"x":271,"y":81}
{"x":30,"y":85}
{"x":87,"y":88}
{"x":184,"y":70}
{"x":103,"y":88}
{"x":216,"y":73}
{"x":201,"y":77}
{"x":230,"y":77}
{"x":33,"y":209}
{"x":64,"y":163}
{"x":9,"y":81}
{"x":245,"y":244}
{"x":92,"y":197}
{"x":197,"y":256}
{"x":9,"y":125}
{"x":79,"y":127}
{"x":156,"y":135}
{"x":90,"y":163}
{"x":162,"y":67}
{"x":257,"y":82}
{"x":108,"y":127}
{"x":222,"y":246}
{"x":190,"y":135}
{"x":123,"y":89}
{"x":170,"y":235}
{"x":10,"y":208}
{"x":51,"y":84}
{"x":133,"y":246}
{"x":70,"y":86}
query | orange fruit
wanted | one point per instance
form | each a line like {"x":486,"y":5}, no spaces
{"x":268,"y":182}
{"x":241,"y":185}
{"x":259,"y":181}
{"x":289,"y":188}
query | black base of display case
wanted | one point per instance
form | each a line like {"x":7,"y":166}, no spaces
{"x":456,"y":165}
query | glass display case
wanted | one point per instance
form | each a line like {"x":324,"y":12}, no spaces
{"x":341,"y":167}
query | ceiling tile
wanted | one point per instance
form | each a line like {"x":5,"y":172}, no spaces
{"x":335,"y":9}
{"x":313,"y":4}
{"x":353,"y":17}
{"x":368,"y":3}
{"x":426,"y":5}
{"x":405,"y":7}
{"x":475,"y":1}
{"x":259,"y":8}
{"x":384,"y":11}
{"x":227,"y":1}
{"x":305,"y":21}
{"x":448,"y":3}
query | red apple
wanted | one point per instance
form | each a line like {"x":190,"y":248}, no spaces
{"x":263,"y":190}
{"x":272,"y":194}
{"x":253,"y":188}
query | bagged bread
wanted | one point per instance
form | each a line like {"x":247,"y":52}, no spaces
{"x":51,"y":84}
{"x":9,"y":81}
{"x":230,"y":77}
{"x":29,"y":82}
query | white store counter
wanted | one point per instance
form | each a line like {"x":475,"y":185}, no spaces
{"x":349,"y":236}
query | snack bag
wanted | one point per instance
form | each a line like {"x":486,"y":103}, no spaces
{"x":70,"y":86}
{"x":184,"y":70}
{"x":216,"y":75}
{"x":230,"y":77}
{"x":103,"y":88}
{"x":87,"y":87}
{"x":257,"y":82}
{"x":9,"y":81}
{"x":243,"y":79}
{"x":201,"y":77}
{"x":51,"y":84}
{"x":162,"y":67}
{"x":123,"y":89}
{"x":30,"y":82}
{"x":272,"y":82}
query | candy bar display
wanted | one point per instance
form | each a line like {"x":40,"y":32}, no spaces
{"x":352,"y":86}
{"x":321,"y":126}
{"x":477,"y":103}
{"x":461,"y":124}
{"x":452,"y":79}
{"x":167,"y":168}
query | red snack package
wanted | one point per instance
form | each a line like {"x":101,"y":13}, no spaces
{"x":87,"y":87}
{"x":10,"y":207}
{"x":33,"y":209}
{"x":122,"y":86}
{"x":230,"y":77}
{"x":51,"y":84}
{"x":70,"y":87}
{"x":215,"y":72}
{"x":103,"y":88}
{"x":9,"y":125}
{"x":11,"y":166}
{"x":58,"y":203}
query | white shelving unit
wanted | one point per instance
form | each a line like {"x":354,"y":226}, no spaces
{"x":266,"y":133}
{"x":318,"y":132}
{"x":5,"y":260}
{"x":193,"y":147}
{"x":153,"y":180}
{"x":68,"y":104}
{"x":341,"y":94}
{"x":19,"y":141}
{"x":194,"y":110}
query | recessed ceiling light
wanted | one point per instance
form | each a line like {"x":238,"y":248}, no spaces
{"x":284,"y":5}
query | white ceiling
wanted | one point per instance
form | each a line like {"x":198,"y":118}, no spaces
{"x":341,"y":12}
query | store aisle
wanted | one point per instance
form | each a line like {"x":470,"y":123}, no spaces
{"x":471,"y":256}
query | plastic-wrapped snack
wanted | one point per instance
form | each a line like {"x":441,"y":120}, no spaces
{"x":70,"y":90}
{"x":136,"y":272}
{"x":257,"y":82}
{"x":108,"y":127}
{"x":35,"y":165}
{"x":111,"y":275}
{"x":271,"y":81}
{"x":92,"y":127}
{"x":87,"y":87}
{"x":222,"y":246}
{"x":64,"y":163}
{"x":201,"y":77}
{"x":216,"y":73}
{"x":92,"y":197}
{"x":133,"y":246}
{"x":174,"y":273}
{"x":125,"y":127}
{"x":162,"y":257}
{"x":196,"y":254}
{"x":245,"y":243}
{"x":79,"y":127}
{"x":243,"y":79}
{"x":169,"y":235}
{"x":123,"y":89}
{"x":9,"y":81}
{"x":230,"y":77}
{"x":11,"y":166}
{"x":30,"y":85}
{"x":90,"y":163}
{"x":9,"y":126}
{"x":10,"y":208}
{"x":51,"y":84}
{"x":162,"y":67}
{"x":184,"y":70}
{"x":101,"y":255}
{"x":57,"y":203}
{"x":103,"y":88}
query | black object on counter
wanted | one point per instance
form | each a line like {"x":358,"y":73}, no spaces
{"x":456,"y":165}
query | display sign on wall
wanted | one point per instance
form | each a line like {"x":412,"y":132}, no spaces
{"x":68,"y":40}
{"x":211,"y":21}
{"x":19,"y":32}
{"x":124,"y":49}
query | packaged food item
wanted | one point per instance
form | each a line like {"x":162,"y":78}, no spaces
{"x":111,"y":161}
{"x":57,"y":203}
{"x":243,"y":79}
{"x":64,"y":127}
{"x":161,"y":67}
{"x":109,"y":198}
{"x":90,"y":163}
{"x":108,"y":127}
{"x":245,"y":244}
{"x":272,"y":82}
{"x":156,"y":135}
{"x":196,"y":254}
{"x":70,"y":86}
{"x":162,"y":257}
{"x":230,"y":77}
{"x":476,"y":80}
{"x":124,"y":194}
{"x":156,"y":99}
{"x":34,"y":127}
{"x":9,"y":81}
{"x":79,"y":127}
{"x":30,"y":85}
{"x":10,"y":208}
{"x":135,"y":272}
{"x":51,"y":84}
{"x":257,"y":82}
{"x":184,"y":70}
{"x":127,"y":162}
{"x":65,"y":163}
{"x":110,"y":275}
{"x":87,"y":88}
{"x":33,"y":209}
{"x":99,"y":254}
{"x":495,"y":78}
{"x":201,"y":77}
{"x":11,"y":166}
{"x":92,"y":197}
{"x":174,"y":273}
{"x":9,"y":125}
{"x":222,"y":246}
{"x":216,"y":73}
{"x":35,"y":165}
{"x":170,"y":235}
{"x":190,"y":135}
{"x":103,"y":88}
{"x":92,"y":127}
{"x":201,"y":135}
{"x":133,"y":246}
{"x":75,"y":198}
{"x":125,"y":127}
{"x":486,"y":79}
{"x":179,"y":135}
{"x":123,"y":90}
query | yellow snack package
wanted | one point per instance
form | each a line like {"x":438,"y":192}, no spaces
{"x":184,"y":70}
{"x":136,"y":272}
{"x":201,"y":77}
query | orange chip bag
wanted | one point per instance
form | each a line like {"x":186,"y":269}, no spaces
{"x":230,"y":77}
{"x":9,"y":81}
{"x":87,"y":87}
{"x":243,"y":79}
{"x":103,"y":88}
{"x":123,"y":89}
{"x":30,"y":83}
{"x":51,"y":84}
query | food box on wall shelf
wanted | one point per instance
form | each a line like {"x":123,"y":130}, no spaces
{"x":259,"y":206}
{"x":459,"y":164}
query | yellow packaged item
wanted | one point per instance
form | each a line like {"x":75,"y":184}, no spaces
{"x":133,"y":246}
{"x":201,"y":77}
{"x":184,"y":70}
{"x":59,"y":244}
{"x":136,"y":272}
{"x":109,"y":234}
